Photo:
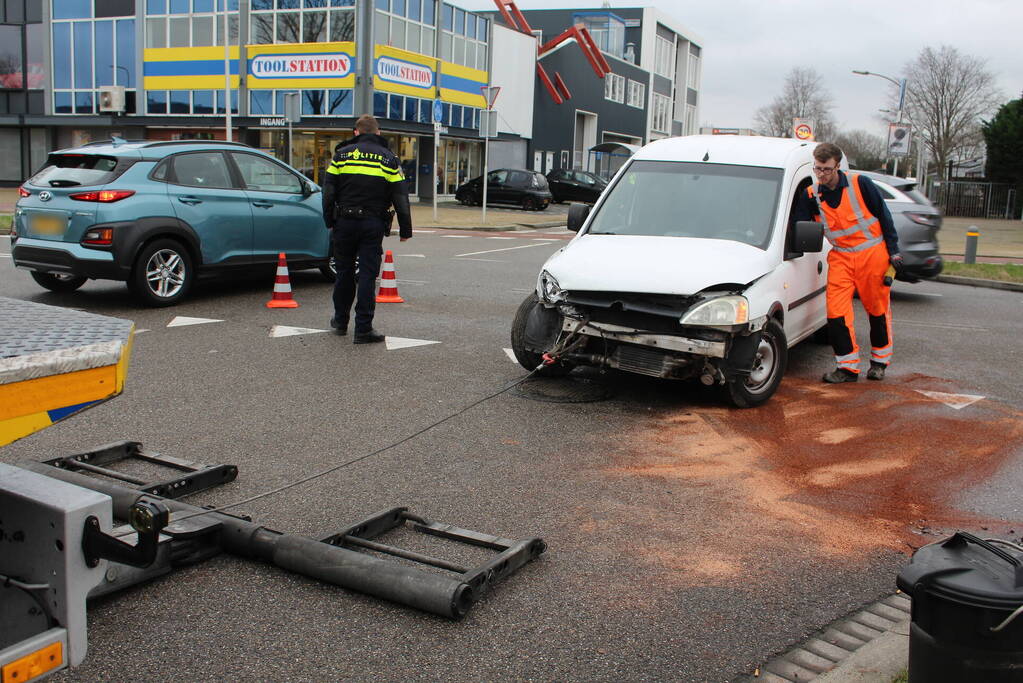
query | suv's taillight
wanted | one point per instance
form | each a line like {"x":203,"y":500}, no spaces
{"x":99,"y":237}
{"x":929,"y":219}
{"x":22,"y":192}
{"x":105,"y":196}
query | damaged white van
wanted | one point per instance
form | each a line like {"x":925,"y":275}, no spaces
{"x":686,"y":268}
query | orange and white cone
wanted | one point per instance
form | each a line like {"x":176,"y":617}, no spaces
{"x":388,"y":293}
{"x":282,"y":286}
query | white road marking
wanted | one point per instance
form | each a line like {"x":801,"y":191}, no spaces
{"x":927,"y":294}
{"x":5,"y":255}
{"x":424,"y":232}
{"x":144,"y":329}
{"x":413,"y":255}
{"x":485,"y":260}
{"x":523,"y":291}
{"x":458,"y":237}
{"x":511,"y":355}
{"x":957,"y":401}
{"x":181,"y":321}
{"x":411,"y":282}
{"x":394,"y":343}
{"x":500,"y":238}
{"x":285,"y":331}
{"x":491,"y":251}
{"x":544,"y":239}
{"x":940,"y":326}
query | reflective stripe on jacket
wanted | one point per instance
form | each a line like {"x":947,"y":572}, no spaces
{"x":850,"y":227}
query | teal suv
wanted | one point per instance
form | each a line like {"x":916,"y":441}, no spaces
{"x":157,"y":215}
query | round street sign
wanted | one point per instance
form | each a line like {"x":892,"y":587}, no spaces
{"x":803,"y":131}
{"x":438,"y":111}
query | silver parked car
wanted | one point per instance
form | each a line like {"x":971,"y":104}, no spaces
{"x":916,"y":220}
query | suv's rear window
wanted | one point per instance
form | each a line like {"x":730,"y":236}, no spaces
{"x":72,"y":170}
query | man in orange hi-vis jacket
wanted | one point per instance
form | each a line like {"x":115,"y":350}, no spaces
{"x":864,"y":243}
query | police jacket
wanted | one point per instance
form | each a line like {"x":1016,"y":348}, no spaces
{"x":365,"y":175}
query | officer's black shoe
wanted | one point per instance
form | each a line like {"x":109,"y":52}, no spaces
{"x":839,"y":375}
{"x":876,"y":371}
{"x":370,"y":337}
{"x":340,"y":329}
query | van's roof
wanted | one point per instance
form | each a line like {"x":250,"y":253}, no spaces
{"x":742,"y":150}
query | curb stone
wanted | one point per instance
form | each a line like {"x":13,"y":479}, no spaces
{"x":980,"y":282}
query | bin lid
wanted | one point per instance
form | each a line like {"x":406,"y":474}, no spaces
{"x":966,"y":569}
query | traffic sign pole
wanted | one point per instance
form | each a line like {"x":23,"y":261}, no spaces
{"x":438,"y":116}
{"x":490,"y":93}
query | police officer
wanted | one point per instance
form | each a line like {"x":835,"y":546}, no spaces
{"x":363,"y":182}
{"x":864,"y":243}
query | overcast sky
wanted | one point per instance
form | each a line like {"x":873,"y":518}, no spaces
{"x":750,"y":46}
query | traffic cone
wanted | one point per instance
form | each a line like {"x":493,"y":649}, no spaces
{"x":282,"y":286}
{"x":388,"y":293}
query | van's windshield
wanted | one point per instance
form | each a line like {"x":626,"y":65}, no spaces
{"x":688,"y":199}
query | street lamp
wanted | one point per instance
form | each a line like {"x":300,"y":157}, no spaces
{"x":901,"y":84}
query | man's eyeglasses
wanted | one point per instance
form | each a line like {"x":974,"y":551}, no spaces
{"x":824,"y":171}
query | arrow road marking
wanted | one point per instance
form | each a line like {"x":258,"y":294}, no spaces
{"x":511,"y":355}
{"x":394,"y":343}
{"x":957,"y":401}
{"x":285,"y":331}
{"x":181,"y":321}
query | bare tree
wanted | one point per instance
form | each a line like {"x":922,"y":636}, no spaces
{"x":803,"y":96}
{"x":947,"y":94}
{"x":864,"y":150}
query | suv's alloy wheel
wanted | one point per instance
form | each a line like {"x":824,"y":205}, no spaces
{"x":162,"y":274}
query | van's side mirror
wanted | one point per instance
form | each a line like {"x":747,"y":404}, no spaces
{"x":806,"y":236}
{"x":577,"y":214}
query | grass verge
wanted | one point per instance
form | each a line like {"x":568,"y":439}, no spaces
{"x":1004,"y":272}
{"x":901,"y":678}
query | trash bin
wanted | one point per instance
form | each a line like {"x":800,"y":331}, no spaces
{"x":967,"y":619}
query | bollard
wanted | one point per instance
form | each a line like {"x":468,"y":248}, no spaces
{"x":972,"y":235}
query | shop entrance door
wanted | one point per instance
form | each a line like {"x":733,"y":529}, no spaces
{"x":324,"y":151}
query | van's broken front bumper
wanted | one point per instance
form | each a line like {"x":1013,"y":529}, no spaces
{"x":664,"y":342}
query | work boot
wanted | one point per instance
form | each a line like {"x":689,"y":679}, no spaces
{"x":876,"y":371}
{"x":340,"y":329}
{"x":369,"y":337}
{"x":839,"y":375}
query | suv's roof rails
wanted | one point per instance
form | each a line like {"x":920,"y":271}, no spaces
{"x":165,"y":143}
{"x":111,"y":141}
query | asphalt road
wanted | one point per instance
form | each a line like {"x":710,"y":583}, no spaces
{"x":687,"y":541}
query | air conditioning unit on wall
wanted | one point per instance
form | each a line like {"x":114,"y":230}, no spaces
{"x":111,"y":98}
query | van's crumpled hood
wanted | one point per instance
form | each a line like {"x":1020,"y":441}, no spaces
{"x":655,"y":265}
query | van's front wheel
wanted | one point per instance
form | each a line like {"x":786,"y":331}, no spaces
{"x":769,"y":363}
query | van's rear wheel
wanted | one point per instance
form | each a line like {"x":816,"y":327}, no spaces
{"x":769,"y":363}
{"x":58,"y":282}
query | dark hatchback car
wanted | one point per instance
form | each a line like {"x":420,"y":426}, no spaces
{"x":568,"y":185}
{"x":916,"y":220}
{"x":527,"y":189}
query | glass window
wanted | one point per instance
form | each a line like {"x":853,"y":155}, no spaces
{"x":288,"y":27}
{"x":72,"y":9}
{"x":414,"y":9}
{"x":62,"y":55}
{"x":179,"y":6}
{"x":83,"y":103}
{"x":312,"y":103}
{"x":398,"y":32}
{"x":261,"y":102}
{"x":381,"y":29}
{"x":342,"y":3}
{"x":10,"y":57}
{"x":221,"y":98}
{"x":202,"y":6}
{"x":104,"y":53}
{"x":201,"y":169}
{"x":397,"y":108}
{"x":459,"y":21}
{"x":314,"y":27}
{"x":202,"y":30}
{"x":458,"y":50}
{"x":428,"y":13}
{"x":62,"y":102}
{"x":179,"y":32}
{"x":470,"y":25}
{"x":263,"y":29}
{"x":398,"y":7}
{"x":481,"y":56}
{"x":314,"y":3}
{"x":232,"y":28}
{"x":156,"y":32}
{"x":426,"y":111}
{"x":341,"y":102}
{"x":342,"y":25}
{"x":262,"y":4}
{"x":34,"y":72}
{"x":380,"y":105}
{"x":202,"y":102}
{"x":445,"y":46}
{"x":412,"y":39}
{"x":259,"y":173}
{"x":447,"y":16}
{"x":161,"y":171}
{"x":156,"y":6}
{"x":179,"y":101}
{"x":156,"y":101}
{"x":288,"y":4}
{"x":411,"y":108}
{"x":125,"y":53}
{"x":383,"y":5}
{"x":481,"y":28}
{"x":427,"y":41}
{"x":83,"y":55}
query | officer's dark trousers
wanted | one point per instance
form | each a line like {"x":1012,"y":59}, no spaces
{"x":362,"y":238}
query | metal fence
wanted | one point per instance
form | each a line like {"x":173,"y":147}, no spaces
{"x":973,"y":199}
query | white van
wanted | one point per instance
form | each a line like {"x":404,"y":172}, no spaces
{"x":686,"y":268}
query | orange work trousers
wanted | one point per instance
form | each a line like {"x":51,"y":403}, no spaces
{"x":862,"y":272}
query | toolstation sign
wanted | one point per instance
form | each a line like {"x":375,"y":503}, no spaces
{"x":336,"y":65}
{"x":404,"y":73}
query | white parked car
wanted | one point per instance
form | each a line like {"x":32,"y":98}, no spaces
{"x":686,"y":268}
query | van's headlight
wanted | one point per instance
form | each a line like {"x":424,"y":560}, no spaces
{"x":550,"y":291}
{"x":724,"y":310}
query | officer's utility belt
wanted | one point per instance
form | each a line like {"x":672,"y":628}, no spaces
{"x":362,"y":212}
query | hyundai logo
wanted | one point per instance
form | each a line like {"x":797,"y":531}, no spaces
{"x":45,"y":196}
